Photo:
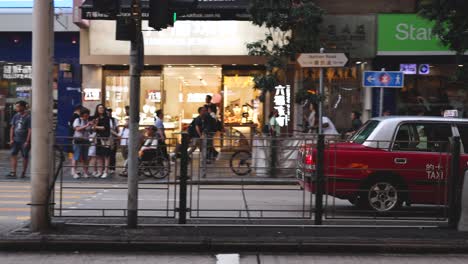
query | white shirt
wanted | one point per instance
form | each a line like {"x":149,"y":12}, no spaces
{"x":150,"y":143}
{"x":83,"y":133}
{"x":330,"y":130}
{"x":124,"y":134}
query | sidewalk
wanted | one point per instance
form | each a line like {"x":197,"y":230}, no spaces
{"x":105,"y":237}
{"x":216,"y":175}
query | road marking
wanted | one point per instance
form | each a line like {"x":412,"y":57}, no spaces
{"x":29,"y":196}
{"x":4,"y":209}
{"x":65,"y":192}
{"x":26,"y":202}
{"x":23,"y":218}
{"x":227,"y":259}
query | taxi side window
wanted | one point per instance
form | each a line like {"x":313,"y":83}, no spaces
{"x":432,"y":137}
{"x":429,"y":137}
{"x":402,"y":139}
{"x":463,"y":131}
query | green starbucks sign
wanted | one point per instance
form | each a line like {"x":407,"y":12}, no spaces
{"x":407,"y":34}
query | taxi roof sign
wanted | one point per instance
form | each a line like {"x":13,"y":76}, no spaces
{"x":451,"y":113}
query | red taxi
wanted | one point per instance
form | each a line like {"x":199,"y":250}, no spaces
{"x":388,"y":162}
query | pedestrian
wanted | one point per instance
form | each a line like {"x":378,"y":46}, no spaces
{"x":103,"y":145}
{"x":275,"y":129}
{"x":311,"y":119}
{"x":210,"y":128}
{"x":161,"y":133}
{"x":114,"y":135}
{"x":209,"y":104}
{"x":20,"y":138}
{"x":195,"y":130}
{"x":124,"y":133}
{"x":328,"y":128}
{"x":82,"y":127}
{"x":356,"y":123}
{"x":75,"y":115}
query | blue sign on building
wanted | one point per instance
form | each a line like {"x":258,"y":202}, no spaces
{"x":30,"y":3}
{"x":393,"y":79}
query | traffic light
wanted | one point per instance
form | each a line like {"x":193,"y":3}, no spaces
{"x":161,"y":12}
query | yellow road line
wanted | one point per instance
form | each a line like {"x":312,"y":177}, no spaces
{"x":29,"y":196}
{"x":5,"y":209}
{"x":25,"y":202}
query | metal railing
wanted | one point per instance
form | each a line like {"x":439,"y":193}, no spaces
{"x":256,"y":182}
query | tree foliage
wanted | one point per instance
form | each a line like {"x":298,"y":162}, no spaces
{"x":451,"y":25}
{"x":451,"y":21}
{"x":292,"y":28}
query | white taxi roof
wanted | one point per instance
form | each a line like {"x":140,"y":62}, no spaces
{"x":383,"y":134}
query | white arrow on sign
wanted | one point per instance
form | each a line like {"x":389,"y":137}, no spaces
{"x":322,"y":60}
{"x":370,"y":79}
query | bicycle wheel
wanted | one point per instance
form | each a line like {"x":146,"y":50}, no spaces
{"x":240,"y":162}
{"x":160,"y":167}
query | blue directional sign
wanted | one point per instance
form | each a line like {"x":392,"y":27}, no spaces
{"x":393,"y":79}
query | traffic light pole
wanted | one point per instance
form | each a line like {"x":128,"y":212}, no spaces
{"x":136,"y":66}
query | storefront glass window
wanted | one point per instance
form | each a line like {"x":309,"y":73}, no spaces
{"x":241,"y":101}
{"x":118,"y":96}
{"x":428,"y":94}
{"x":186,"y":89}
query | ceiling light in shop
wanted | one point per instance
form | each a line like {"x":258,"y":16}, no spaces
{"x":358,"y":62}
{"x":170,"y":66}
{"x":234,"y":64}
{"x":255,"y":64}
{"x":191,"y":66}
{"x":460,"y":65}
{"x":146,"y":64}
{"x":214,"y":66}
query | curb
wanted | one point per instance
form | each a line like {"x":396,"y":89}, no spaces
{"x":210,"y":245}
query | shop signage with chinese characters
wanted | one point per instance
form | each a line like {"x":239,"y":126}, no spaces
{"x":92,"y":94}
{"x":20,"y":72}
{"x":154,"y":96}
{"x":353,"y":34}
{"x":282,"y":101}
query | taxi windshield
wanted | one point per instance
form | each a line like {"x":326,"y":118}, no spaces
{"x":365,"y":131}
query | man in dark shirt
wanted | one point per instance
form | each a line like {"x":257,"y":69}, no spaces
{"x":20,"y":138}
{"x":195,"y":130}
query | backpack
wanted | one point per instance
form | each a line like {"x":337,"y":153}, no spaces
{"x":192,"y":130}
{"x":71,"y":129}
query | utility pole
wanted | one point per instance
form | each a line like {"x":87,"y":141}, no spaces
{"x":136,"y":65}
{"x":42,"y":137}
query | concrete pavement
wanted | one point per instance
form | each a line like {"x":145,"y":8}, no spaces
{"x":214,"y":258}
{"x":219,"y":238}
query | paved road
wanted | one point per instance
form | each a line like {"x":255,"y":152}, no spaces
{"x":143,"y":258}
{"x":235,"y":203}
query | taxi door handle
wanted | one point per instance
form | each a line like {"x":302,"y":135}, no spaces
{"x":400,"y":160}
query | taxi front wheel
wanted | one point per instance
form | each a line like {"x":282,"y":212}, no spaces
{"x":381,"y":195}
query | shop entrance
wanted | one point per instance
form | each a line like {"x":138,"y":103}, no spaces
{"x":185,"y":90}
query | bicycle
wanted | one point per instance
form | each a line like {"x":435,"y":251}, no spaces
{"x":241,"y":160}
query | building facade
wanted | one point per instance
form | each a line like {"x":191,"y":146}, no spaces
{"x":16,"y":57}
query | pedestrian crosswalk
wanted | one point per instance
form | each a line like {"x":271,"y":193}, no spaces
{"x":15,"y":197}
